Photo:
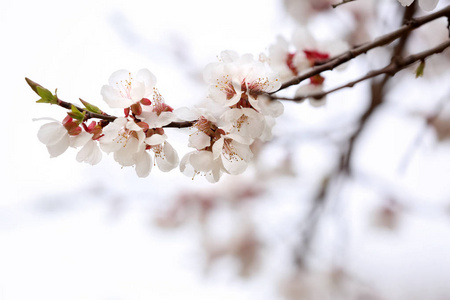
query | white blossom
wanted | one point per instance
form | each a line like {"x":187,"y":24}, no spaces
{"x":125,"y":89}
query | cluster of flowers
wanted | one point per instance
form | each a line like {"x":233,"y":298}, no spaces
{"x":130,"y":138}
{"x":222,"y":140}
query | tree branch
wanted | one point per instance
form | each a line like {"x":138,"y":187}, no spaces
{"x":103,"y":116}
{"x":340,"y":3}
{"x":380,"y":41}
{"x":394,"y":67}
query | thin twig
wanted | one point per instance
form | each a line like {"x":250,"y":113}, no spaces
{"x":380,"y":41}
{"x":340,"y":3}
{"x":394,"y":67}
{"x":103,"y":116}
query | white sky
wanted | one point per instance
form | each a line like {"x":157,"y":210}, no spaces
{"x":80,"y":252}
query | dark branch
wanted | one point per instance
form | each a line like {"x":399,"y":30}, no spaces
{"x":340,"y":3}
{"x":394,"y":67}
{"x":380,"y":41}
{"x":104,"y":116}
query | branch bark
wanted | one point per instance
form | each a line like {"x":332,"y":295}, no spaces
{"x":334,"y":62}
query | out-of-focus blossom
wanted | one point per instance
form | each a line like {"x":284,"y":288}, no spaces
{"x":424,"y":4}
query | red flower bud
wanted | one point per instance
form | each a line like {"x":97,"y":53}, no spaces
{"x":145,"y":101}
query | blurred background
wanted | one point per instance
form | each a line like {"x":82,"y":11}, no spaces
{"x":294,"y":226}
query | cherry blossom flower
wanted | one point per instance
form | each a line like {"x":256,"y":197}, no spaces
{"x":245,"y":123}
{"x":125,"y":139}
{"x":286,"y":61}
{"x":239,"y":81}
{"x":131,"y":143}
{"x":58,"y":136}
{"x":203,"y":163}
{"x":424,"y":4}
{"x":124,"y":89}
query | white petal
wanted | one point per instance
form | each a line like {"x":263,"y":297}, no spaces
{"x":118,"y":76}
{"x":272,"y":108}
{"x":218,"y":147}
{"x":233,"y":166}
{"x":199,"y":140}
{"x":137,"y":92}
{"x":143,"y":164}
{"x":187,"y":114}
{"x":80,"y":139}
{"x":60,"y":147}
{"x":51,"y":133}
{"x":147,"y":77}
{"x":170,"y":159}
{"x":156,"y":139}
{"x":202,"y":161}
{"x":113,"y":97}
{"x":90,"y":153}
{"x":131,"y":125}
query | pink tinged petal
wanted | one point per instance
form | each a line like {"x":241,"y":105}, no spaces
{"x":202,"y":161}
{"x":170,"y":159}
{"x":60,"y":147}
{"x":156,"y":139}
{"x":90,"y":153}
{"x":199,"y":140}
{"x":143,"y":163}
{"x":428,"y":4}
{"x":51,"y":133}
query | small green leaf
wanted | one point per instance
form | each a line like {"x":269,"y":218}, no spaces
{"x":76,"y":114}
{"x":90,"y":107}
{"x":46,"y":96}
{"x":420,"y":69}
